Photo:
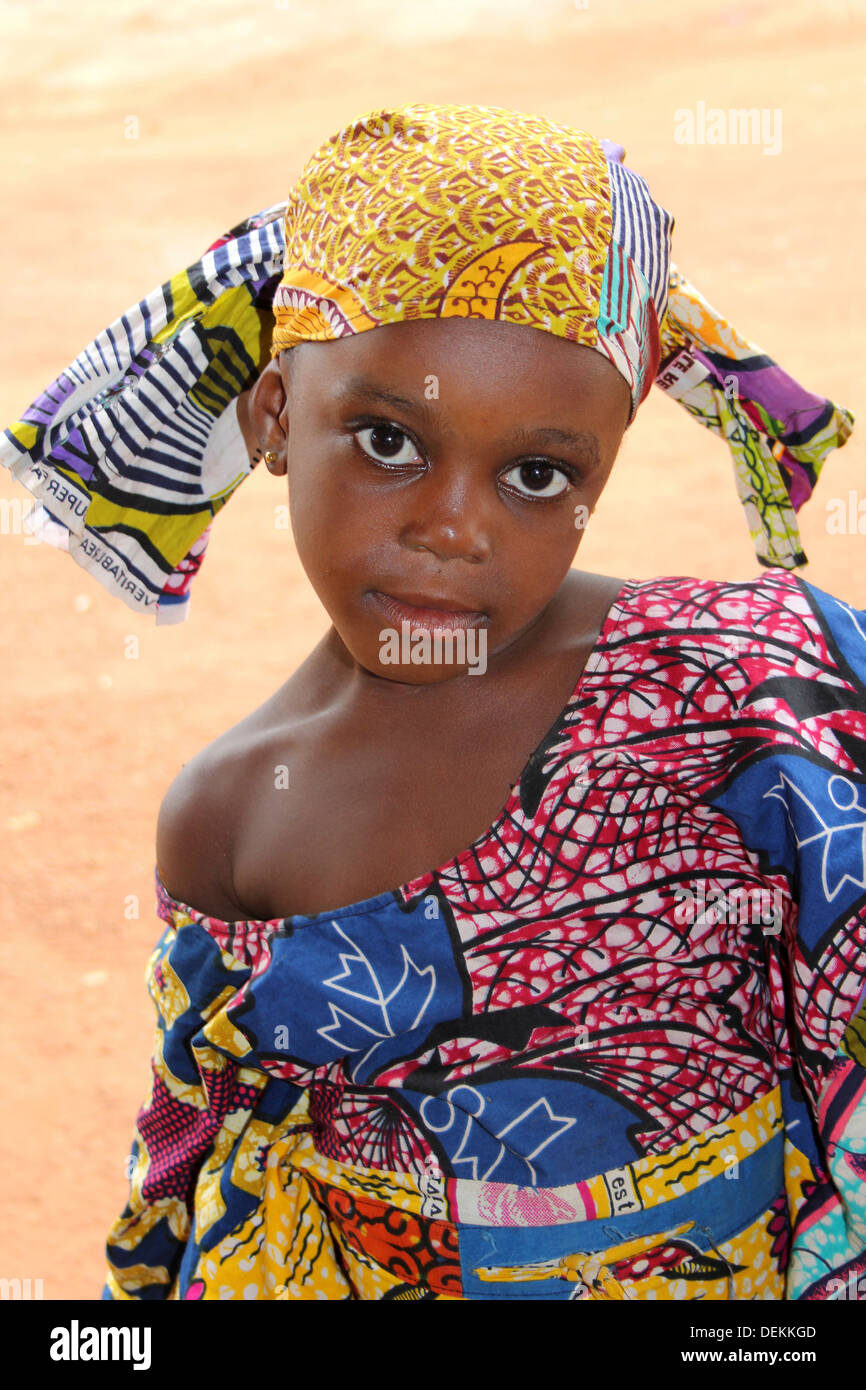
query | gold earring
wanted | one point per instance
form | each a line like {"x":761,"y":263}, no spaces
{"x":270,"y":458}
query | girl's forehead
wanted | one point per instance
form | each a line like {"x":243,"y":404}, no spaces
{"x":458,"y":368}
{"x":490,"y":352}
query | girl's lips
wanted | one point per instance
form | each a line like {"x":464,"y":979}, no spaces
{"x":421,"y":615}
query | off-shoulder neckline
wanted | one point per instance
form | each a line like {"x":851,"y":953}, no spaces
{"x":379,"y":900}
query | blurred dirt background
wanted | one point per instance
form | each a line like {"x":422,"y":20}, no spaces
{"x":231,"y":97}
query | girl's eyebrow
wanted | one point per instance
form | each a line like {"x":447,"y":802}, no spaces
{"x":358,"y":388}
{"x":584,"y":440}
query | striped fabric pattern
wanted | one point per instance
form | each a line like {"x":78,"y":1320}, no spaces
{"x":626,"y":318}
{"x":643,"y":229}
{"x":122,"y":450}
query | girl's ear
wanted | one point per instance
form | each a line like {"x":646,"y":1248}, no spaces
{"x":259,"y":411}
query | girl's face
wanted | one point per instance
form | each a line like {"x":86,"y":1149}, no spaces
{"x":444,"y":465}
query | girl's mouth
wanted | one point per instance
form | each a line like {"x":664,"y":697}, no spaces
{"x":428,"y":611}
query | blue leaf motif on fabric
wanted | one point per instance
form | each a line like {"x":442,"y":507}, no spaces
{"x":368,"y":986}
{"x":400,"y":1010}
{"x":810,"y":822}
{"x":841,"y":844}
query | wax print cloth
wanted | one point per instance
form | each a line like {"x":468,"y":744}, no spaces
{"x":616,"y":1048}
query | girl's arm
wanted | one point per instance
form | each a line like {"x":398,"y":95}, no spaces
{"x":195,"y":1089}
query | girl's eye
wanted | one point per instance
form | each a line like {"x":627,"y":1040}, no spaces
{"x":387,"y":444}
{"x":537,"y":478}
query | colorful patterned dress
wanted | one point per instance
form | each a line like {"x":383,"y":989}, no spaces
{"x":616,"y":1048}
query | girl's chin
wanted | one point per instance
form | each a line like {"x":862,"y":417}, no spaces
{"x":407,"y":673}
{"x":408,"y":655}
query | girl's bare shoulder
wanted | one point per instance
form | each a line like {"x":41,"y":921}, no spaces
{"x":204,"y":806}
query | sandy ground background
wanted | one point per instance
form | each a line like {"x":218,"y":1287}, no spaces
{"x":231,"y":97}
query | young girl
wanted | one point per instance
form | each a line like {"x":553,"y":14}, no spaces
{"x":525,"y":966}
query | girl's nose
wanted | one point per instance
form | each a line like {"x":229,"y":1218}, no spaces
{"x":449,"y":516}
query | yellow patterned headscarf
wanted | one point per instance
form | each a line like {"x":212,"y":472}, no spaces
{"x":474,"y":212}
{"x":426,"y":211}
